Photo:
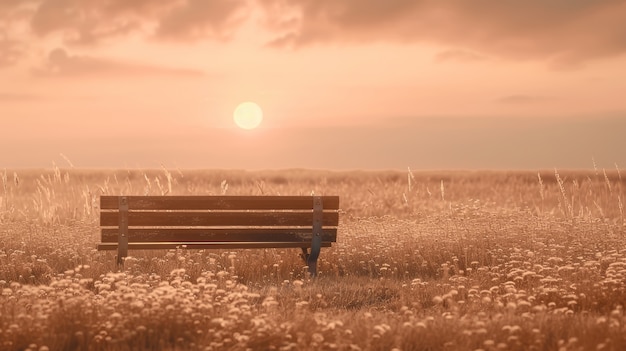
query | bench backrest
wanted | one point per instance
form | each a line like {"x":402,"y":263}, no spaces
{"x":216,"y":221}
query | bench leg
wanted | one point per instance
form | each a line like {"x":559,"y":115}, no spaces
{"x":310,"y":260}
{"x":316,"y":242}
{"x":122,"y":238}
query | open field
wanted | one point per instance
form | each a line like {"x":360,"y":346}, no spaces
{"x":424,"y":261}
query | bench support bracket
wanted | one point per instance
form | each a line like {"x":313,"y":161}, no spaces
{"x":122,"y":236}
{"x":316,"y":241}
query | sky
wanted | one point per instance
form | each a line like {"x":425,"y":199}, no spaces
{"x":343,"y":84}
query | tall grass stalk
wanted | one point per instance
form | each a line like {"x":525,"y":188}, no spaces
{"x":621,"y":208}
{"x":168,"y":177}
{"x":568,"y":209}
{"x":67,"y":160}
{"x":607,"y":181}
{"x":542,"y":191}
{"x":410,"y":179}
{"x":5,"y":186}
{"x":443,"y":192}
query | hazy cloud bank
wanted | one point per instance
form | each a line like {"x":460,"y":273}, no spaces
{"x":90,"y":22}
{"x":61,"y":63}
{"x":565,"y":33}
{"x":10,"y":51}
{"x":80,"y":23}
{"x":420,"y":143}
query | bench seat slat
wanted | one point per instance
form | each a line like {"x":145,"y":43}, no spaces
{"x":212,"y":245}
{"x":110,"y":235}
{"x":186,"y":219}
{"x":219,"y":202}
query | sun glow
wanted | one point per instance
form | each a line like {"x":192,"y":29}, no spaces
{"x":248,"y":115}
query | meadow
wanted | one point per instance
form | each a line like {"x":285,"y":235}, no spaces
{"x":458,"y":260}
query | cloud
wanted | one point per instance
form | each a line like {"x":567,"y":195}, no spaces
{"x":12,"y":44}
{"x":60,"y":63}
{"x":201,"y":18}
{"x":10,"y":51}
{"x":90,"y":22}
{"x":522,"y":99}
{"x":82,"y":22}
{"x":563,"y":32}
{"x":94,"y":22}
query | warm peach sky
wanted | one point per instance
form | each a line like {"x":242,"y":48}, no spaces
{"x":344,"y":84}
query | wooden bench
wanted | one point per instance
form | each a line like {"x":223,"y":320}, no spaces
{"x":219,"y":222}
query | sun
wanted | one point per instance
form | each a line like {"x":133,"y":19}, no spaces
{"x":248,"y":115}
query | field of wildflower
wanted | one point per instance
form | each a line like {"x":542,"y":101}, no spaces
{"x":423,"y":261}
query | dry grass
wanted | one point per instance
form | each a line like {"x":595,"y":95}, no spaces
{"x":424,"y":261}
